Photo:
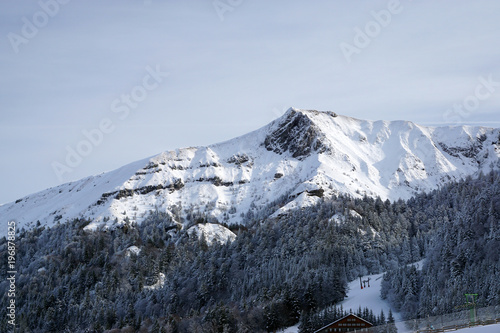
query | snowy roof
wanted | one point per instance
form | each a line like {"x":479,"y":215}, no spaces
{"x":336,"y":321}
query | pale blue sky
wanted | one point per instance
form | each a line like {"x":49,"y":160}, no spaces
{"x":226,"y":77}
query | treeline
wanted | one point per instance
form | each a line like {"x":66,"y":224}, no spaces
{"x":463,"y":255}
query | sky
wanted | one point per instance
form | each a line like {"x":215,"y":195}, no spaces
{"x":89,"y":86}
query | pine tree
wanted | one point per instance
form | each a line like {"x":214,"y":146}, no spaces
{"x":391,"y":325}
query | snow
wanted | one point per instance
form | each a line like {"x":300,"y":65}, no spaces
{"x":293,"y":329}
{"x":355,"y":214}
{"x":302,"y":200}
{"x":68,"y":201}
{"x":482,"y":329}
{"x":376,"y":158}
{"x":133,"y":249}
{"x":337,"y":218}
{"x":368,"y":297}
{"x":159,"y":284}
{"x":212,"y":233}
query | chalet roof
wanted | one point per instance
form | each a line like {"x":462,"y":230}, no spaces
{"x":344,"y":317}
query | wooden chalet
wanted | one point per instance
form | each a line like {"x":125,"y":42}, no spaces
{"x":349,"y":323}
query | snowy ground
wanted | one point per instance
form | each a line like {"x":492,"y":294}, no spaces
{"x":366,"y":297}
{"x":482,"y":329}
{"x":370,"y":298}
{"x":295,"y":329}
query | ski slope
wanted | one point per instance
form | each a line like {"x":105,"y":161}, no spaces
{"x":293,"y":329}
{"x":370,"y":297}
{"x":366,"y":297}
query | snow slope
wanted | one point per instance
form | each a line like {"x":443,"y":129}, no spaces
{"x":366,"y":297}
{"x":293,"y":329}
{"x":212,"y":233}
{"x":370,"y":298}
{"x":300,"y":157}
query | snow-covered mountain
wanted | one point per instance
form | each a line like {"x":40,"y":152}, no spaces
{"x":302,"y":156}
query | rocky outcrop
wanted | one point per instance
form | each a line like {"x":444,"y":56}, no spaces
{"x":298,"y":135}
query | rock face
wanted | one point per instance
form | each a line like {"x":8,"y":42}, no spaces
{"x":300,"y":158}
{"x":297,"y":135}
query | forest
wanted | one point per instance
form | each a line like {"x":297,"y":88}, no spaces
{"x":276,"y":273}
{"x":462,"y":257}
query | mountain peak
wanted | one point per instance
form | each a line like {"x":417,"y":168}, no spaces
{"x":295,"y":160}
{"x":309,"y":113}
{"x":298,"y":133}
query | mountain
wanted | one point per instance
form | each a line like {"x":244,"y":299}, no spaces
{"x":297,"y":159}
